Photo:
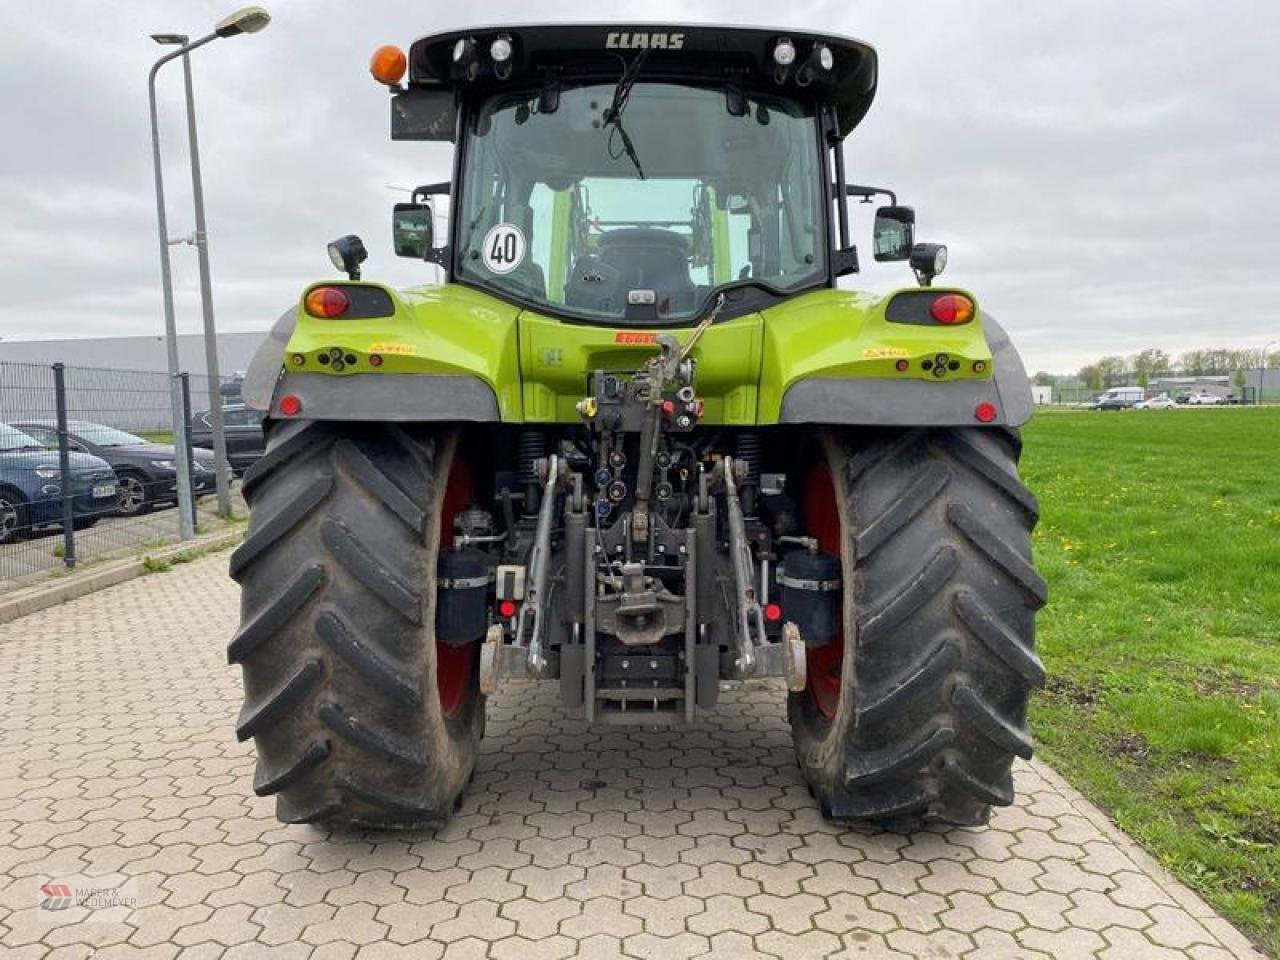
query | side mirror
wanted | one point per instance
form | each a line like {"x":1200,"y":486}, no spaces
{"x":412,"y":230}
{"x":424,"y":115}
{"x":894,"y":233}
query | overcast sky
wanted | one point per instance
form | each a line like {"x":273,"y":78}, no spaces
{"x":1105,"y":174}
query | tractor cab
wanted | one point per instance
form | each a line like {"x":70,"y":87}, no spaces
{"x":628,"y":176}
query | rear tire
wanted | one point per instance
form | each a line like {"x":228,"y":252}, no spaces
{"x":343,"y":681}
{"x":928,"y":702}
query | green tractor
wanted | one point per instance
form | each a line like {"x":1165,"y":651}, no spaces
{"x":638,"y":442}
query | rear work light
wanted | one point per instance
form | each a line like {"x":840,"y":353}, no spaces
{"x":951,"y":309}
{"x":327,"y":302}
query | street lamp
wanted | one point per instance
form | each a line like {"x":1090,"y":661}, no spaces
{"x":1262,"y":368}
{"x":248,"y":20}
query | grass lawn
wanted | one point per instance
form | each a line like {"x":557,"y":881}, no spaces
{"x":1160,"y":539}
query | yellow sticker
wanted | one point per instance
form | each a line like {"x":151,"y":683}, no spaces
{"x":884,"y":353}
{"x":403,"y":349}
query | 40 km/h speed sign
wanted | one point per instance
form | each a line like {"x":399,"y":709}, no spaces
{"x":503,"y":248}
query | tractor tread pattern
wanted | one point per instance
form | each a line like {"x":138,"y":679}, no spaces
{"x":998,"y":638}
{"x":984,"y":716}
{"x":393,"y":678}
{"x":967,"y":450}
{"x":910,"y":753}
{"x":1015,"y":567}
{"x":930,"y":669}
{"x":924,"y":489}
{"x":256,"y":716}
{"x":998,"y":793}
{"x":278,"y":611}
{"x":289,"y":441}
{"x":267,"y":781}
{"x":370,"y":737}
{"x":911,"y":595}
{"x":942,"y":655}
{"x":374,"y":480}
{"x":280,"y":523}
{"x":361,"y":562}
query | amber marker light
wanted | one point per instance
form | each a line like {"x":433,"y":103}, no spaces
{"x":388,"y":65}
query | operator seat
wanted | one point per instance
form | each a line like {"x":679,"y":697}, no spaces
{"x":636,"y":258}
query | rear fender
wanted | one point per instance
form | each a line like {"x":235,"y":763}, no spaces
{"x":441,"y":353}
{"x":834,"y":357}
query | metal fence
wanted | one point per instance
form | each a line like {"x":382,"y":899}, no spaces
{"x":87,"y":466}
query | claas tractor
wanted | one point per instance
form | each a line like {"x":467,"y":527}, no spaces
{"x":638,"y":443}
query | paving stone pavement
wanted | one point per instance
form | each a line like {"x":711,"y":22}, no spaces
{"x":118,"y":767}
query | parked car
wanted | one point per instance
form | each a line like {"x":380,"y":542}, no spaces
{"x":243,"y":428}
{"x":1161,"y":402}
{"x":31,"y":486}
{"x":1206,"y":400}
{"x":1111,"y":403}
{"x":145,"y":471}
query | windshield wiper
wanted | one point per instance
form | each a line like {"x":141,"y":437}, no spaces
{"x":613,"y":113}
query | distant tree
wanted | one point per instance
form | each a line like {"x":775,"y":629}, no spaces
{"x":1194,"y":363}
{"x":1044,"y":379}
{"x":1114,"y":371}
{"x":1150,"y":364}
{"x":1090,"y":376}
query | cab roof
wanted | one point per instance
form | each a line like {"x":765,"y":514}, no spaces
{"x":693,"y":52}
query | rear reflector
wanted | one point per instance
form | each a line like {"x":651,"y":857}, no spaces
{"x":984,"y":412}
{"x":290,"y":405}
{"x":951,"y":308}
{"x":507,"y":608}
{"x":327,"y":302}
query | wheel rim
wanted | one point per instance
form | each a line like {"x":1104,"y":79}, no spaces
{"x":132,"y":495}
{"x":455,"y":665}
{"x":824,"y":664}
{"x":8,"y":519}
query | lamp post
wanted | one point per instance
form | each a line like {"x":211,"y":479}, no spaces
{"x":248,"y":20}
{"x":1262,"y":367}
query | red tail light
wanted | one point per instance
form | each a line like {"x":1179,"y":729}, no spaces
{"x":327,"y":302}
{"x":951,"y":309}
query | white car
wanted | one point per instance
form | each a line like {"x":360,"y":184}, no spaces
{"x":1206,"y":400}
{"x":1155,"y":403}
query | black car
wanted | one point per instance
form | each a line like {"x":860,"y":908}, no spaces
{"x":1113,"y":403}
{"x":243,"y":429}
{"x":145,"y":471}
